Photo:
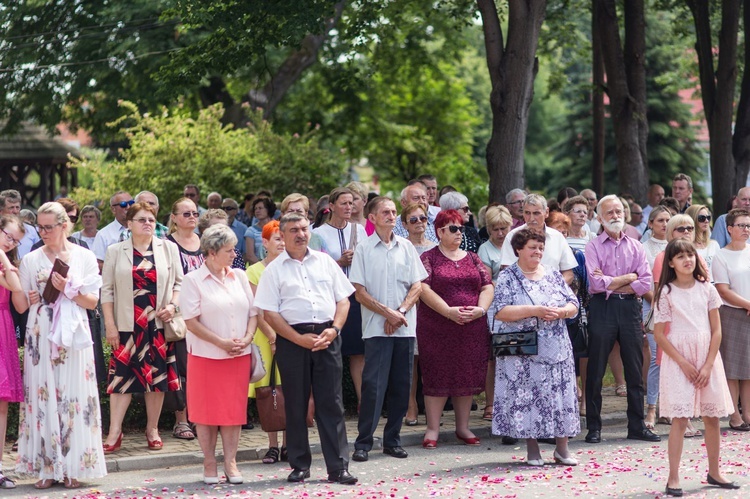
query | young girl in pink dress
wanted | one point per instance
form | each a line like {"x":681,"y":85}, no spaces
{"x":11,"y":383}
{"x":692,"y":380}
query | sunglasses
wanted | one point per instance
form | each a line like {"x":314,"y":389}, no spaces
{"x":465,"y":209}
{"x":421,"y":218}
{"x":684,"y":229}
{"x":144,"y":221}
{"x":228,"y":208}
{"x":189,"y":214}
{"x":703,"y":218}
{"x":73,"y":218}
{"x":123,"y":204}
{"x":455,"y":228}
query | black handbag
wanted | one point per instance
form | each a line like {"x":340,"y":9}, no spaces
{"x":516,"y":342}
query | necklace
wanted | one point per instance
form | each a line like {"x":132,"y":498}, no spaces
{"x":440,"y":247}
{"x":529,"y":272}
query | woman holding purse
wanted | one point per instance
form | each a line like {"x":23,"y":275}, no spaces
{"x":221,"y":320}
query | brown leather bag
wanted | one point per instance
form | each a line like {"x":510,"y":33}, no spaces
{"x":270,"y":402}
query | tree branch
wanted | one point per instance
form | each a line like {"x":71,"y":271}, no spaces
{"x":493,"y":37}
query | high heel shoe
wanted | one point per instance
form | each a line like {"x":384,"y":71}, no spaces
{"x":156,"y":444}
{"x":236,"y":479}
{"x":567,"y":461}
{"x":469,"y":440}
{"x":429,"y":444}
{"x":109,"y":449}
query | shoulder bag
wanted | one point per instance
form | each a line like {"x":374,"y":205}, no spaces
{"x":176,"y":329}
{"x":270,"y":402}
{"x":520,"y":341}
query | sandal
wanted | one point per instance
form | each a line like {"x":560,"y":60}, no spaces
{"x":487,"y":416}
{"x":6,"y":483}
{"x":272,"y":456}
{"x":45,"y":483}
{"x":411,"y":422}
{"x":741,"y":427}
{"x":72,"y":483}
{"x":182,"y":430}
{"x":664,"y":420}
{"x":621,"y":391}
{"x":284,"y":454}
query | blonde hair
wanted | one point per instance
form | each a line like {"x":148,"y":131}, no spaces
{"x":58,"y":210}
{"x":675,"y":222}
{"x":497,"y":214}
{"x":701,"y":236}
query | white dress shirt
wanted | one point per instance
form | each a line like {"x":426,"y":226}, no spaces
{"x":557,"y":253}
{"x":106,"y":237}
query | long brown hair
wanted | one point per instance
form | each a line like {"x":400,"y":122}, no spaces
{"x":4,"y":221}
{"x":668,"y":274}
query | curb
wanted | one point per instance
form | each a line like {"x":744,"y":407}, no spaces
{"x":169,"y":460}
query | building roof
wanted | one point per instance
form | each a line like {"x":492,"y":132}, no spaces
{"x":32,"y":145}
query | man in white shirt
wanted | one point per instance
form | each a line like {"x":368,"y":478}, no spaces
{"x":387,"y":275}
{"x":193,"y":193}
{"x":304,"y":296}
{"x":557,"y":253}
{"x":10,"y":204}
{"x":109,"y":235}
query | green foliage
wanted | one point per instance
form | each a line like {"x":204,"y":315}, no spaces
{"x":170,"y":150}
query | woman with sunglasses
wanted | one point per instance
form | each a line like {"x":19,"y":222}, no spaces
{"x":60,"y":424}
{"x":460,"y":203}
{"x":451,"y":330}
{"x":707,"y":247}
{"x":142,"y":279}
{"x":414,"y":219}
{"x":732,"y":281}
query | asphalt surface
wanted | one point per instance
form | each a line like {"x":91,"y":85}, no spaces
{"x":615,"y":468}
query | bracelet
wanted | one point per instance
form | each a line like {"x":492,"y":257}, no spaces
{"x":272,"y":342}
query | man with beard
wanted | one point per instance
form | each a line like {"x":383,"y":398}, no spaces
{"x":618,"y":274}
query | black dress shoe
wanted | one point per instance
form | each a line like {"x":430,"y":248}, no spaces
{"x":724,"y":485}
{"x":360,"y":455}
{"x":343,"y":477}
{"x":646,"y":435}
{"x":509,"y":440}
{"x":594,"y":436}
{"x":248,"y":426}
{"x":395,"y":452}
{"x":298,"y":475}
{"x":674,"y":492}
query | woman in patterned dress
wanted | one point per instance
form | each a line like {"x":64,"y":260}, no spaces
{"x":60,"y":435}
{"x":142,"y":278}
{"x":535,"y":395}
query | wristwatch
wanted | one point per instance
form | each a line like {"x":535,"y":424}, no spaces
{"x":337,"y":329}
{"x":176,"y":307}
{"x":402,"y":310}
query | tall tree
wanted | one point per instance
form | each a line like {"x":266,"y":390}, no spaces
{"x":513,"y":66}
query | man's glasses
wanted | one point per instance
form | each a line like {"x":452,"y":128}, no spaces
{"x":123,"y":204}
{"x":228,"y":208}
{"x":46,"y":228}
{"x":73,"y":218}
{"x":421,"y":218}
{"x":455,"y":228}
{"x":703,"y":218}
{"x":685,"y":228}
{"x":191,"y":194}
{"x":515,"y":202}
{"x":741,"y":226}
{"x":189,"y":214}
{"x":12,"y":240}
{"x":144,"y":221}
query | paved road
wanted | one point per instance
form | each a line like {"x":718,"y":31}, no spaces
{"x":615,"y":468}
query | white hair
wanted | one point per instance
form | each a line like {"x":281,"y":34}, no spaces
{"x":536,"y":200}
{"x":606,"y":199}
{"x":512,"y":193}
{"x":453,"y":201}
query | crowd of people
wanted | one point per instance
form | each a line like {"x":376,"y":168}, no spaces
{"x":427,"y":297}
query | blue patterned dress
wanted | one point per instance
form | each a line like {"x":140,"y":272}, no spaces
{"x":535,"y":395}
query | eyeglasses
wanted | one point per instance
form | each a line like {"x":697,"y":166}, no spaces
{"x":123,"y":204}
{"x":421,"y":218}
{"x":741,"y":226}
{"x":455,"y":228}
{"x":10,"y":238}
{"x":686,"y":228}
{"x":191,"y":194}
{"x":189,"y":214}
{"x":579,"y":212}
{"x":228,"y":208}
{"x":703,"y":218}
{"x":144,"y":221}
{"x":46,"y":228}
{"x":73,"y":218}
{"x":465,"y":209}
{"x":515,"y":202}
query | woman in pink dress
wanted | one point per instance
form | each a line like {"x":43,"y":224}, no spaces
{"x":11,"y":384}
{"x":692,"y":381}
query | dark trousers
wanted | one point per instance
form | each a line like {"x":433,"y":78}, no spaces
{"x":302,"y":370}
{"x":609,"y":321}
{"x":388,"y":365}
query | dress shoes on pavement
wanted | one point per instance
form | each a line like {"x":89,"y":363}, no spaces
{"x":724,"y":485}
{"x":297,"y":476}
{"x":646,"y":435}
{"x":395,"y":452}
{"x":360,"y":455}
{"x":342,"y":477}
{"x":594,"y":436}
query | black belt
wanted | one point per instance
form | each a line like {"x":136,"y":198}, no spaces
{"x":311,"y":327}
{"x":618,"y":296}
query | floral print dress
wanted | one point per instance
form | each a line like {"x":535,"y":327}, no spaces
{"x":60,"y":432}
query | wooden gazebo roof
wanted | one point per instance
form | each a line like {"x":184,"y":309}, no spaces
{"x":31,"y":149}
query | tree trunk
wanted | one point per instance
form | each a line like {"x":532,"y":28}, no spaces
{"x":717,"y":92}
{"x":624,"y":108}
{"x":597,"y":103}
{"x":512,"y":72}
{"x":635,"y":69}
{"x":741,"y":139}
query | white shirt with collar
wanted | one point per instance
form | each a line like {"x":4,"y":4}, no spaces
{"x":303,"y":291}
{"x":106,"y":237}
{"x":387,"y":272}
{"x":557,"y":253}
